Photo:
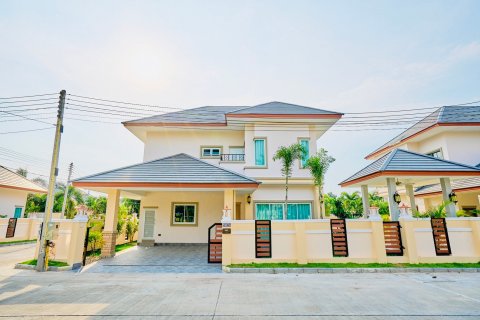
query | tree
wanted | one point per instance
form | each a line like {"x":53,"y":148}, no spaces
{"x":131,"y":228}
{"x":318,"y":165}
{"x":133,"y":206}
{"x":378,"y":201}
{"x":352,"y":204}
{"x":97,"y":205}
{"x":74,"y":198}
{"x":22,"y":171}
{"x":35,"y":203}
{"x":40,"y":181}
{"x":288,"y":155}
{"x":334,"y":206}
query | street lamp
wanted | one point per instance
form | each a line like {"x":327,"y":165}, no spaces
{"x":397,"y":198}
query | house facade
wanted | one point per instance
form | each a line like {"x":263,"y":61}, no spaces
{"x":450,"y":133}
{"x":14,"y":190}
{"x":203,"y":162}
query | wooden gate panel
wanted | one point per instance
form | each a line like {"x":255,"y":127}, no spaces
{"x":393,"y":238}
{"x":440,"y":237}
{"x":12,"y":225}
{"x":338,"y":229}
{"x":263,"y":239}
{"x":215,"y":243}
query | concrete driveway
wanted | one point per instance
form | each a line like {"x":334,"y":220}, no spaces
{"x":159,"y":259}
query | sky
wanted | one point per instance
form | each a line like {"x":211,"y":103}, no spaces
{"x":345,"y":56}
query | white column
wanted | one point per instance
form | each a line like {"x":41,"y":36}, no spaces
{"x":392,"y":205}
{"x":365,"y":201}
{"x":411,"y":197}
{"x":446,"y":190}
{"x":110,"y":226}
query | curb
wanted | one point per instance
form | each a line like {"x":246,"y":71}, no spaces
{"x":30,"y":267}
{"x":346,"y":270}
{"x":17,"y":243}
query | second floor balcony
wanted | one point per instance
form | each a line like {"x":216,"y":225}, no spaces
{"x":232,"y":157}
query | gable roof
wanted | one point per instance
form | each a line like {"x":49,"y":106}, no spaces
{"x":180,"y":170}
{"x":403,"y":162}
{"x":446,"y":115}
{"x":12,"y":180}
{"x":217,"y":115}
{"x":458,"y":185}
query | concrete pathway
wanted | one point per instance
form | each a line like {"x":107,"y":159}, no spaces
{"x":158,"y":295}
{"x":159,"y":259}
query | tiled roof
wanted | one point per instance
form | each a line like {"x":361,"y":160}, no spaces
{"x":456,"y":185}
{"x":403,"y":160}
{"x":443,"y":115}
{"x":218,"y":114}
{"x":180,"y":168}
{"x":12,"y":180}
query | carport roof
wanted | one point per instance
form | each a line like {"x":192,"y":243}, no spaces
{"x":403,"y":163}
{"x":177,"y":171}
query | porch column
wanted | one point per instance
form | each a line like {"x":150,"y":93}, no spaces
{"x":110,"y":228}
{"x":365,"y":201}
{"x":446,"y":190}
{"x":229,"y":201}
{"x":411,"y":197}
{"x":392,"y":205}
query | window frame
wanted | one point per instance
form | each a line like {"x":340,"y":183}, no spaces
{"x":184,"y":224}
{"x":439,"y":150}
{"x":220,"y":151}
{"x":265,"y":152}
{"x":284,"y":218}
{"x":299,"y":140}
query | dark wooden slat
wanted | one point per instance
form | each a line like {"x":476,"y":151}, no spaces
{"x":393,"y":238}
{"x":440,"y":237}
{"x":215,"y":243}
{"x":339,"y":237}
{"x":263,"y":239}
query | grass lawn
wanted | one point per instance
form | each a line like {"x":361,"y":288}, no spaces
{"x":118,"y":248}
{"x":18,"y":241}
{"x":51,"y":263}
{"x":356,"y":265}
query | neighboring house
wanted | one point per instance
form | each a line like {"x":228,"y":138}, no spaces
{"x":451,"y":133}
{"x":201,"y":161}
{"x":14,"y":190}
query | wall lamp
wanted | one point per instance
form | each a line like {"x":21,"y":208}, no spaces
{"x":397,"y":198}
{"x":249,"y":199}
{"x":453,"y":197}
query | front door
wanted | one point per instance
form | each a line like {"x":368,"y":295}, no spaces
{"x":149,"y":224}
{"x":18,"y":212}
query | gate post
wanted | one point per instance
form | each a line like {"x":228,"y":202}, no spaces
{"x":408,"y":237}
{"x":378,"y":239}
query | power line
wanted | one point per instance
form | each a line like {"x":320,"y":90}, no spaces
{"x":31,"y":96}
{"x":123,"y":102}
{"x":18,"y":115}
{"x":29,"y":100}
{"x":39,"y":129}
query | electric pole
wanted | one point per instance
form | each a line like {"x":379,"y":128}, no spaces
{"x":65,"y":194}
{"x":47,"y":217}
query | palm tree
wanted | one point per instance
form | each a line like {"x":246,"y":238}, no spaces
{"x":318,"y":165}
{"x":288,"y":155}
{"x":74,"y":198}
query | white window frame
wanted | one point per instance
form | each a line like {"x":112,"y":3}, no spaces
{"x":431,"y":153}
{"x":265,"y":160}
{"x":210,"y":155}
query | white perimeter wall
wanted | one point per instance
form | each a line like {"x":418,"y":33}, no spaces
{"x":9,"y":199}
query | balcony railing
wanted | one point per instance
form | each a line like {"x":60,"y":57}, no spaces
{"x":232,"y":157}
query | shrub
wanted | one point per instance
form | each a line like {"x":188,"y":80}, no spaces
{"x":131,"y":228}
{"x":95,"y":240}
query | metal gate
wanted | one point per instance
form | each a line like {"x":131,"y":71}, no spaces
{"x":263,"y":239}
{"x":393,"y":238}
{"x":440,"y":237}
{"x":85,"y":246}
{"x":338,"y":228}
{"x":215,"y":243}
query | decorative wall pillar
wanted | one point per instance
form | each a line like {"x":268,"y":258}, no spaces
{"x":229,"y":201}
{"x":446,"y":190}
{"x":392,"y":205}
{"x":110,"y":227}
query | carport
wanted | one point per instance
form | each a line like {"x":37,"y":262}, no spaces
{"x":409,"y":169}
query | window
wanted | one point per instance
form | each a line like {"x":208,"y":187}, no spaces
{"x":436,"y":154}
{"x":305,"y":143}
{"x":184,"y":214}
{"x":275,"y":211}
{"x":211,"y":152}
{"x":260,"y":152}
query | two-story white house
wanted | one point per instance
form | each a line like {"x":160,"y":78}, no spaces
{"x":201,"y":161}
{"x":451,"y":133}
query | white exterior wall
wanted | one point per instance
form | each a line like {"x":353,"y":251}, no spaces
{"x":210,"y":206}
{"x":10,"y":199}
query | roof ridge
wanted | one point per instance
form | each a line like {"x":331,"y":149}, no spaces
{"x":388,"y":159}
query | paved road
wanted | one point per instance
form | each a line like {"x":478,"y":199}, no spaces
{"x":10,"y":255}
{"x":151,"y":295}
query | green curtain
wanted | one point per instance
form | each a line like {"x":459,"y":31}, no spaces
{"x":299,"y":211}
{"x":269,"y":211}
{"x":305,"y":145}
{"x":260,"y":152}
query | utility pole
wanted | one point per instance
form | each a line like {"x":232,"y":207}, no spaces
{"x":65,"y":194}
{"x":47,"y":217}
